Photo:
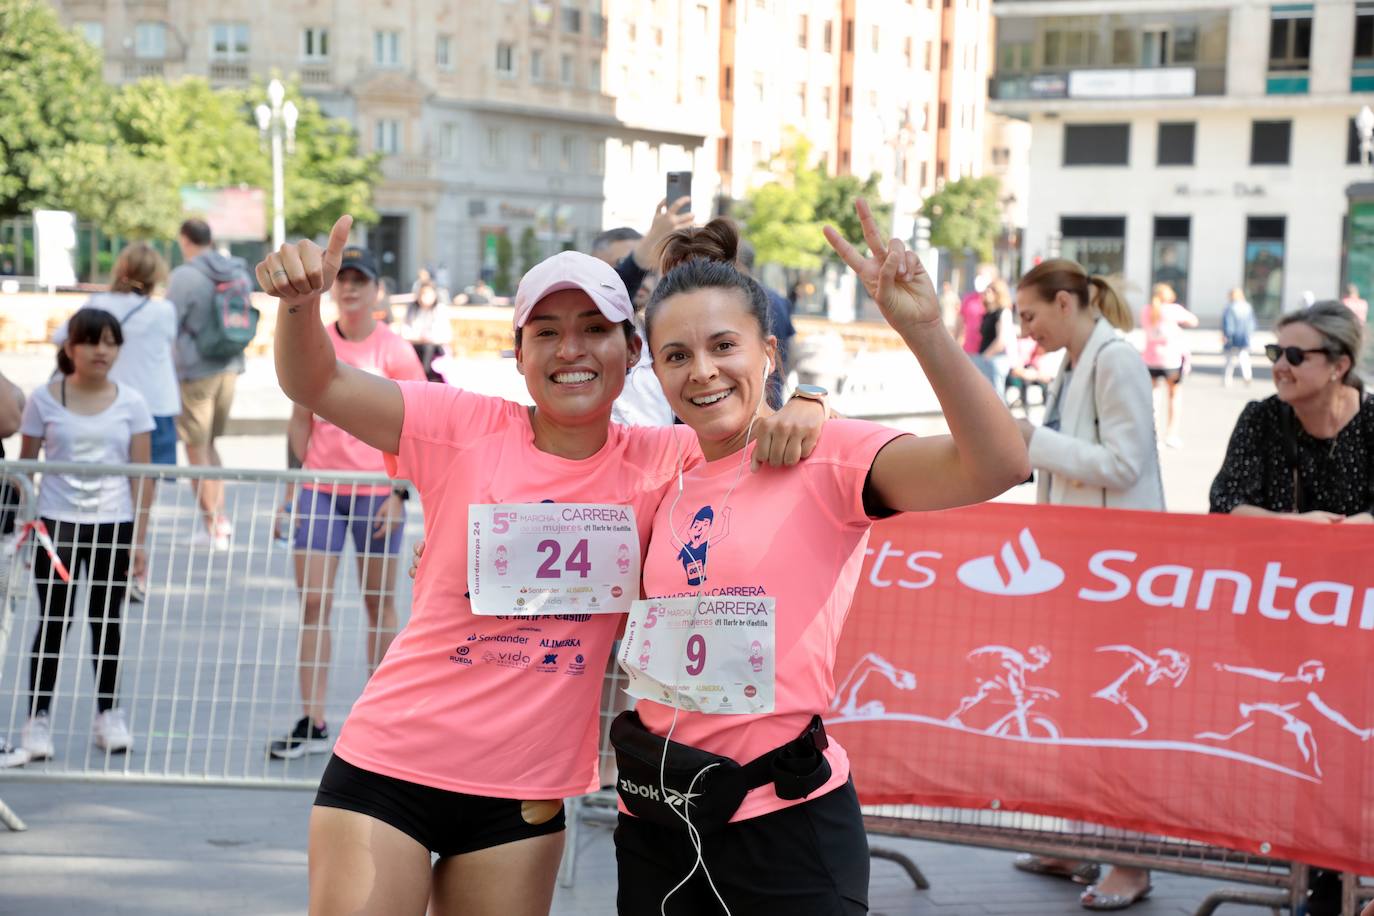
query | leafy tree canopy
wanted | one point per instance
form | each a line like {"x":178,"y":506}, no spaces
{"x":965,"y":214}
{"x":783,"y":219}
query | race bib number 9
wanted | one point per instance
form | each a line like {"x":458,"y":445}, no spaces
{"x":529,"y":559}
{"x":711,"y":655}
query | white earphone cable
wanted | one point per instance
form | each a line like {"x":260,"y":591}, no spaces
{"x":685,"y":814}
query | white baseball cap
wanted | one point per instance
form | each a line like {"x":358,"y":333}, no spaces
{"x":574,"y":270}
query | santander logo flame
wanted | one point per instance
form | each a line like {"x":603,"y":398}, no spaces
{"x":1023,"y":573}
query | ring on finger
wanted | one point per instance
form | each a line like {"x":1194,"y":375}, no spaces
{"x":279,"y":273}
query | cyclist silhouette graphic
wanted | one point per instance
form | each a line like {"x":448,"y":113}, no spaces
{"x":1011,"y":668}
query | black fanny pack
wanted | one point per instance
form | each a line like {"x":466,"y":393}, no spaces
{"x":707,"y":787}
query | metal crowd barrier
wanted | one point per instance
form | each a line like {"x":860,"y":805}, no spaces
{"x":209,"y":676}
{"x":208,"y":666}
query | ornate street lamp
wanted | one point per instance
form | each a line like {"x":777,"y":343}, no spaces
{"x":278,"y":118}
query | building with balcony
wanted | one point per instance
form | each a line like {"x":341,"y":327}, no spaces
{"x":893,"y":87}
{"x":541,"y":122}
{"x":491,"y":117}
{"x":1209,"y":144}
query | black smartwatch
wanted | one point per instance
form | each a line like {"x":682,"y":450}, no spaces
{"x":401,"y":493}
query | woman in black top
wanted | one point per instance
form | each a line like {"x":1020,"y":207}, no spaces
{"x":1307,"y":451}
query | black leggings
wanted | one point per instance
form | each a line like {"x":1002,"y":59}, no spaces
{"x":104,"y":552}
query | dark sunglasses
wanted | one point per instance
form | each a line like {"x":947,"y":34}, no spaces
{"x":1294,"y":355}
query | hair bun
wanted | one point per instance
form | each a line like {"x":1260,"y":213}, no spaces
{"x":717,"y":241}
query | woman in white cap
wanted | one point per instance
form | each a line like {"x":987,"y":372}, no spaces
{"x":475,"y":728}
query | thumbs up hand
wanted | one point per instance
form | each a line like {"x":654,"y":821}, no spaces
{"x":297,"y":274}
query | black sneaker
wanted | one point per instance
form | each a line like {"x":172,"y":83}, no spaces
{"x":305,"y":738}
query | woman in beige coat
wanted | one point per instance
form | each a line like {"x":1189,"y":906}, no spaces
{"x":1096,"y":447}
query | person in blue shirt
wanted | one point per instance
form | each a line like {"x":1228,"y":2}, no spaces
{"x":1237,"y":328}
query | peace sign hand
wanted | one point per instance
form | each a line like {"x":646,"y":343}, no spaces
{"x":893,"y":276}
{"x":299,"y":273}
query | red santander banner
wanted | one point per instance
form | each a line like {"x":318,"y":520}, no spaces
{"x":1203,"y":677}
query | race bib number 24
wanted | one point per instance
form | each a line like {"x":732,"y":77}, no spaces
{"x":530,"y":559}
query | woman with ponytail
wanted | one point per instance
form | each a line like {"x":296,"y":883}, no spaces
{"x":1096,"y":447}
{"x":782,"y":833}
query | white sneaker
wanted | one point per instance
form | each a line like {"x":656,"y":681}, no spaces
{"x":224,"y":533}
{"x":12,"y":756}
{"x":36,"y":737}
{"x":111,"y":732}
{"x":219,"y":540}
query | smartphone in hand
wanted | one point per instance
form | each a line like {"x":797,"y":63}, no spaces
{"x":679,"y":186}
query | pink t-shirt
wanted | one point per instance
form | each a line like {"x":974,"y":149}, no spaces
{"x":330,"y":448}
{"x":972,"y":310}
{"x":1165,"y":347}
{"x":798,"y":535}
{"x":462,"y":702}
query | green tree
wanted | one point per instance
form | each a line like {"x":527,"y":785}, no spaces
{"x":505,"y":254}
{"x":779,"y":218}
{"x":836,"y":205}
{"x":529,"y":249}
{"x":783,"y":219}
{"x":208,"y":137}
{"x":52,"y":99}
{"x":965,"y":214}
{"x":122,"y":193}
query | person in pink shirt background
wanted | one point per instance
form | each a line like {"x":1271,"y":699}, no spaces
{"x":328,"y":515}
{"x":971,"y":310}
{"x":798,"y":537}
{"x":1355,"y":302}
{"x":461,"y":745}
{"x":1166,"y":351}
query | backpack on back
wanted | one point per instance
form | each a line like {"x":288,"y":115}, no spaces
{"x":233,"y":319}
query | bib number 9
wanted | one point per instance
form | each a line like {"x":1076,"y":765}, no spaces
{"x":577,"y":561}
{"x":696,"y":654}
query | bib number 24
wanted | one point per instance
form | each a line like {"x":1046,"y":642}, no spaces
{"x":577,"y":561}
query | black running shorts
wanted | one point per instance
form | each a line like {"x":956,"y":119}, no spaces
{"x":807,"y":860}
{"x":446,"y":823}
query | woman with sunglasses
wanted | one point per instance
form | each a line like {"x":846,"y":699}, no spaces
{"x":1306,"y":452}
